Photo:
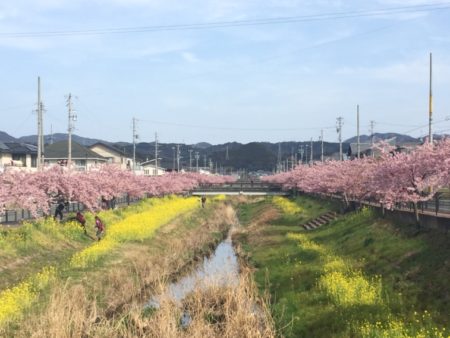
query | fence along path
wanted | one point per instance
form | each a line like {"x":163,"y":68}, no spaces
{"x":11,"y":218}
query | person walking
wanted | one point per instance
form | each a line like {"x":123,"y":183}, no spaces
{"x":59,"y":209}
{"x":203,"y":201}
{"x":80,"y":218}
{"x":100,"y":228}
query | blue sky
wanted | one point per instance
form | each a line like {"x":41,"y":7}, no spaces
{"x":273,"y":82}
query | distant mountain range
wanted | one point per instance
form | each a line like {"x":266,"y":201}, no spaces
{"x":60,"y":137}
{"x":252,"y":156}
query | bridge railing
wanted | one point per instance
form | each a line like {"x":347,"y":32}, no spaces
{"x":239,"y":186}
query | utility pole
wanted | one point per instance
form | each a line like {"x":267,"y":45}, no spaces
{"x":178,"y":157}
{"x":372,"y":125}
{"x":197,"y":156}
{"x":302,"y":151}
{"x":135,"y":137}
{"x":39,"y":126}
{"x":311,"y":160}
{"x":42,"y":135}
{"x":227,"y":157}
{"x":430,"y":103}
{"x":279,"y":164}
{"x":156,"y":154}
{"x":71,"y":127}
{"x":51,"y":134}
{"x":306,"y":153}
{"x":339,"y":131}
{"x":173,"y":158}
{"x":358,"y":147}
{"x":321,"y":145}
{"x":190,"y":159}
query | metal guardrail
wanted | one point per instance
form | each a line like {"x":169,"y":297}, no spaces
{"x":437,"y":206}
{"x":239,"y":186}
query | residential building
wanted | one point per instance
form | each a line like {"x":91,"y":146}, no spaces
{"x":150,"y":169}
{"x":83,"y":158}
{"x":365,"y":149}
{"x":18,"y":155}
{"x":113,"y":155}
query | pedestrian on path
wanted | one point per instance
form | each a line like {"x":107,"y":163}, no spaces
{"x":203,"y":201}
{"x":80,"y":218}
{"x":59,"y":209}
{"x":100,"y":228}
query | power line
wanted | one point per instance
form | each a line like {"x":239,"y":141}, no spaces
{"x":232,"y":128}
{"x":237,"y":23}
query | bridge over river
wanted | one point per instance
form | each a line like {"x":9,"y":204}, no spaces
{"x":241,"y":188}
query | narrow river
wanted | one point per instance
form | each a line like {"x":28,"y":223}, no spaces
{"x":219,"y":269}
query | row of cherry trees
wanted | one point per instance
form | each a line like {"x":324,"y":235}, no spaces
{"x":38,"y":191}
{"x":391,"y":178}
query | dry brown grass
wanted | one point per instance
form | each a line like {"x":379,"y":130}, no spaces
{"x":108,"y":302}
{"x":214,"y":312}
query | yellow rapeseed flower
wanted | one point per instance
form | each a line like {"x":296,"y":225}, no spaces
{"x":136,"y":227}
{"x":15,"y":300}
{"x":288,"y":207}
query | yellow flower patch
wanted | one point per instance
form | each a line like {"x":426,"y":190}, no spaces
{"x":136,"y":227}
{"x":395,"y":328}
{"x":351,"y":289}
{"x":288,"y":207}
{"x":15,"y":300}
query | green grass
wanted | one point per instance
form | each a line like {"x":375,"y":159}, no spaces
{"x":248,"y":211}
{"x":27,"y":249}
{"x":39,"y":239}
{"x":414,"y":273}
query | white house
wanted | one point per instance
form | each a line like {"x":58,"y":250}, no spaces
{"x":19,"y":156}
{"x":113,"y":155}
{"x":150,"y":169}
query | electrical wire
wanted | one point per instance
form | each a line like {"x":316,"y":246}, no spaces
{"x":237,"y":23}
{"x":231,"y":128}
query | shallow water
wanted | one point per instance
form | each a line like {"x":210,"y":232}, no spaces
{"x":220,"y":269}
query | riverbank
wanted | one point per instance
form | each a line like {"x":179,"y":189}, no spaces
{"x":78,"y":298}
{"x":359,"y":276}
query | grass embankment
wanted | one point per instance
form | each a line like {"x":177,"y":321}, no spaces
{"x":360,"y":276}
{"x":98,"y":279}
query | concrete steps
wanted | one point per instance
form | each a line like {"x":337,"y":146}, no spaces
{"x":321,"y":220}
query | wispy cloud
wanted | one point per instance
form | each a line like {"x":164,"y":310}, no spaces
{"x":189,"y":57}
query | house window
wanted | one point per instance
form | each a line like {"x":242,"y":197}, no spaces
{"x":80,"y":163}
{"x":21,"y":158}
{"x":33,"y":161}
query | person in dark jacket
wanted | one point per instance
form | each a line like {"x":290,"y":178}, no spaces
{"x":59,"y":210}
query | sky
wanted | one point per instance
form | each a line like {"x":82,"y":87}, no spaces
{"x":224,"y":70}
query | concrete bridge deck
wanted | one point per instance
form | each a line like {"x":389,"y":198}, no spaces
{"x":240,"y":188}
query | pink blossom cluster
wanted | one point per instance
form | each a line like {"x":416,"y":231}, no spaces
{"x":393,"y":177}
{"x":38,"y":191}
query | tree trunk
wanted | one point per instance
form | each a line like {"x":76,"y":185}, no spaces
{"x":416,"y":214}
{"x":346,"y":204}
